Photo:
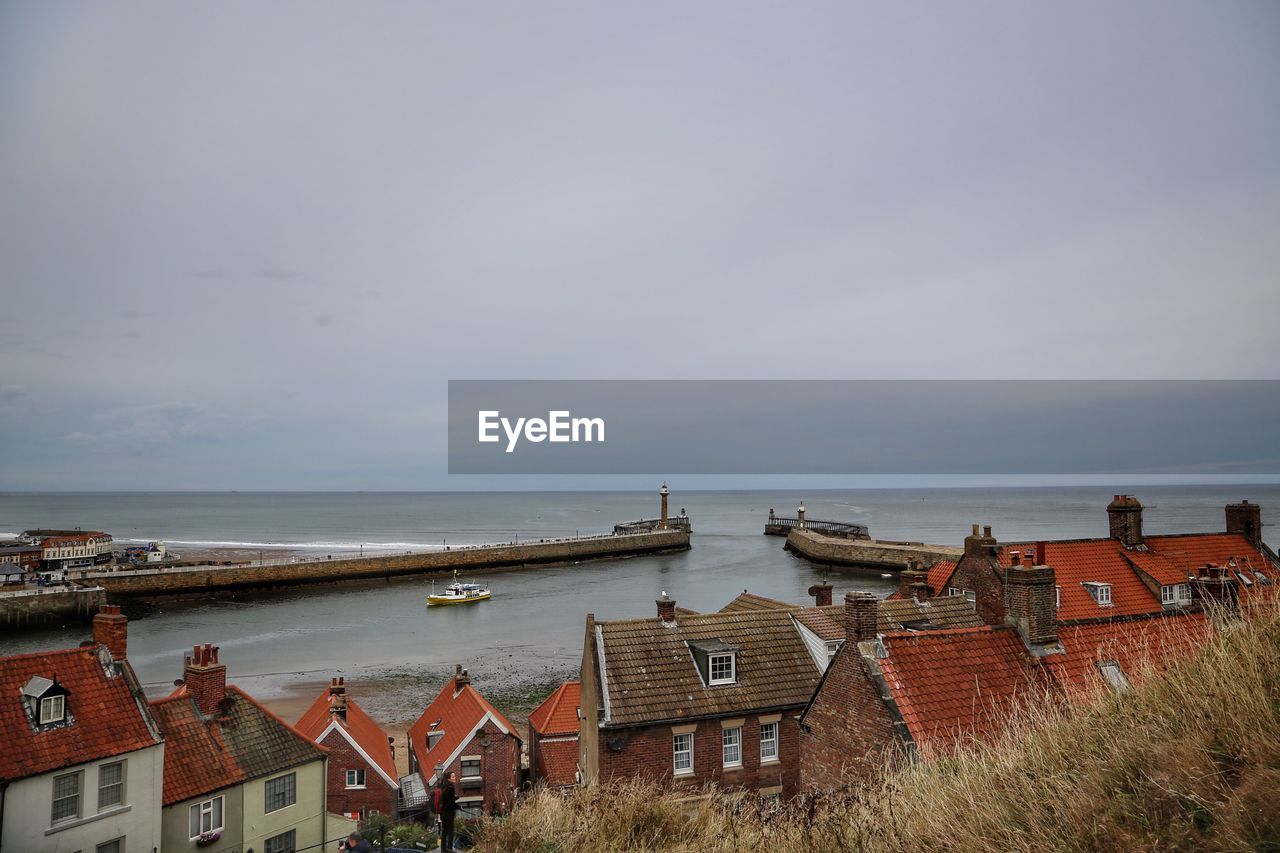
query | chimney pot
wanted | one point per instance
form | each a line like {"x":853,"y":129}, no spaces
{"x":821,"y":593}
{"x":1042,"y":550}
{"x":667,"y":608}
{"x":986,"y":532}
{"x":1017,"y":558}
{"x":206,"y":680}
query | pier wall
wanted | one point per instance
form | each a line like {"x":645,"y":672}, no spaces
{"x":48,"y":608}
{"x":865,"y":553}
{"x":201,"y":579}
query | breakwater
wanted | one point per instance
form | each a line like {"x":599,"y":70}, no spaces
{"x":190,"y":580}
{"x":44,"y":608}
{"x":838,"y":552}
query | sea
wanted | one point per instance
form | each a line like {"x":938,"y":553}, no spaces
{"x":530,"y":634}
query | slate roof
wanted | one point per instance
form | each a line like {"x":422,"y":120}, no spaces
{"x":558,"y":713}
{"x":109,"y":712}
{"x":459,"y":710}
{"x":651,"y":676}
{"x":202,"y":756}
{"x":370,"y":737}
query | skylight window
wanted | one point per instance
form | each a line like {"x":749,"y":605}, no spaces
{"x":1114,"y":676}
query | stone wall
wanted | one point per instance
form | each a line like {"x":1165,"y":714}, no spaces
{"x":864,"y":553}
{"x":49,"y":608}
{"x":213,"y":578}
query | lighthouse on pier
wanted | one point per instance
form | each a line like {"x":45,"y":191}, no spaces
{"x":664,"y":491}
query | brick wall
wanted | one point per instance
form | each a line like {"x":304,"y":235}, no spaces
{"x":377,"y":795}
{"x":848,"y":731}
{"x":978,"y":570}
{"x":647,"y":754}
{"x":499,"y":768}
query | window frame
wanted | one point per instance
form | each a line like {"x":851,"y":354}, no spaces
{"x":773,"y":728}
{"x":291,"y":844}
{"x":731,"y":737}
{"x":197,"y":811}
{"x":464,"y":776}
{"x":120,"y":784}
{"x":361,"y":778}
{"x":1168,"y":593}
{"x":118,"y":842}
{"x":290,"y":780}
{"x":48,"y":719}
{"x":78,"y":776}
{"x":712,"y":659}
{"x":676,"y":752}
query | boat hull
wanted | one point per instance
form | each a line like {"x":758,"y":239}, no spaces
{"x":441,"y":601}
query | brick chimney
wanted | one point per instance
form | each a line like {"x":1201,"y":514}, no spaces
{"x":979,"y":570}
{"x":667,"y":609}
{"x":821,"y":593}
{"x":205,"y":678}
{"x":460,"y":676}
{"x":1245,"y":519}
{"x":111,"y":629}
{"x":338,"y":697}
{"x":860,"y":616}
{"x":1030,"y":603}
{"x":1124,"y":516}
{"x":914,"y":582}
{"x":1212,"y":583}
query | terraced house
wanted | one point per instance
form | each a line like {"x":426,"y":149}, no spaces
{"x":685,"y":698}
{"x":362,"y":763}
{"x":236,"y":778}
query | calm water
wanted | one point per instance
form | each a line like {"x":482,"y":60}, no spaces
{"x":532,"y":630}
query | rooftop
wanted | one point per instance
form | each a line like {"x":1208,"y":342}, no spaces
{"x":357,"y":726}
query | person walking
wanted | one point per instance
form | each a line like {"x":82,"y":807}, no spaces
{"x":356,"y":844}
{"x":446,"y":800}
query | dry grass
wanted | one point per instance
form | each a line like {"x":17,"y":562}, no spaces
{"x":1188,"y":761}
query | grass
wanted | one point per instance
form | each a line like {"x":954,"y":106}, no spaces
{"x":1189,"y":760}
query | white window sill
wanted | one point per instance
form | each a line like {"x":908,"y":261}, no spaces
{"x":356,"y":787}
{"x":81,"y":821}
{"x":765,"y":761}
{"x":737,"y":766}
{"x":679,"y":773}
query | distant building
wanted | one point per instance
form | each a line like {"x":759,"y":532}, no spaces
{"x":18,"y":560}
{"x":236,"y":777}
{"x":462,"y":732}
{"x":553,"y":737}
{"x":70,"y":549}
{"x":362,"y":765}
{"x":82,"y":759}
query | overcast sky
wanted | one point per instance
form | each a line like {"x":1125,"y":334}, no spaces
{"x":245,"y":245}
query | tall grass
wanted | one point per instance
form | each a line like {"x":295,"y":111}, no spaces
{"x":1188,"y":760}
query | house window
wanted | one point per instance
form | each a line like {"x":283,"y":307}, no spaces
{"x":206,"y":817}
{"x":1168,"y":595}
{"x":1101,"y":592}
{"x":1183,"y":592}
{"x":768,"y":742}
{"x":283,"y":843}
{"x":722,"y":669}
{"x":355,"y":778}
{"x":470,"y":807}
{"x":970,"y":596}
{"x":1057,"y":596}
{"x":53,"y":709}
{"x":111,"y":785}
{"x":281,"y":792}
{"x":116,"y":846}
{"x":732,"y":746}
{"x":66,"y":796}
{"x":470,"y":769}
{"x":683,"y":749}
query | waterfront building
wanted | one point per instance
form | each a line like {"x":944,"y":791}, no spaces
{"x":70,"y":549}
{"x":361,"y":779}
{"x":461,"y":731}
{"x":553,"y":737}
{"x":236,"y":777}
{"x":83,"y":760}
{"x":17,"y":560}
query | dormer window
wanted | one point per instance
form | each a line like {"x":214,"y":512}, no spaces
{"x":1101,"y":592}
{"x":45,"y":702}
{"x":53,"y":709}
{"x":716,"y":660}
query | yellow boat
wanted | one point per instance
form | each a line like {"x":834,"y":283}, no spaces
{"x":458,"y":593}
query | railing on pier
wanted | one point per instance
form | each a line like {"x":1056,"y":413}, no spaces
{"x":648,"y":525}
{"x":777,"y":526}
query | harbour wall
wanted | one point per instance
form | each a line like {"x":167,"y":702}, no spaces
{"x":46,"y":608}
{"x":839,"y":552}
{"x":204,"y":579}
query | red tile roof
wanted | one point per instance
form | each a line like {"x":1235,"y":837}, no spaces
{"x":367,"y":735}
{"x":204,"y":755}
{"x":106,"y":704}
{"x":459,"y":711}
{"x":559,"y":761}
{"x":1137,"y":646}
{"x":938,"y":575}
{"x":558,"y":713}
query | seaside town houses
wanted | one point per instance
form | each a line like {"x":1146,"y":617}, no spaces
{"x":461,"y":732}
{"x":553,"y":737}
{"x":362,"y":777}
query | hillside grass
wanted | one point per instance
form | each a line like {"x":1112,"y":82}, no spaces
{"x":1189,"y":760}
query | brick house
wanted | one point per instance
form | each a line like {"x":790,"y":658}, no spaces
{"x":362,"y":764}
{"x":82,"y":756}
{"x":687,"y":699}
{"x":462,"y":732}
{"x":236,"y":777}
{"x":553,"y":737}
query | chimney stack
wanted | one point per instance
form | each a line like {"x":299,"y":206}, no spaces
{"x":860,"y":616}
{"x":1124,"y":516}
{"x":821,"y":593}
{"x":338,"y":697}
{"x":1030,"y":603}
{"x":460,"y":676}
{"x":205,"y":678}
{"x":667,"y":609}
{"x":1245,"y":519}
{"x":913,"y":583}
{"x":980,"y":570}
{"x":111,"y":629}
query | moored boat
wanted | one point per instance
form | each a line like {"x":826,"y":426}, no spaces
{"x":458,"y":593}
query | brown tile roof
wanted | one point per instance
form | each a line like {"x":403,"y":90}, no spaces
{"x":202,"y":755}
{"x":109,"y":713}
{"x":751,"y":601}
{"x":361,"y":728}
{"x":650,"y":674}
{"x":948,"y":611}
{"x":558,"y":713}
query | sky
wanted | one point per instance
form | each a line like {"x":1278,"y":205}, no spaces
{"x":244,"y":246}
